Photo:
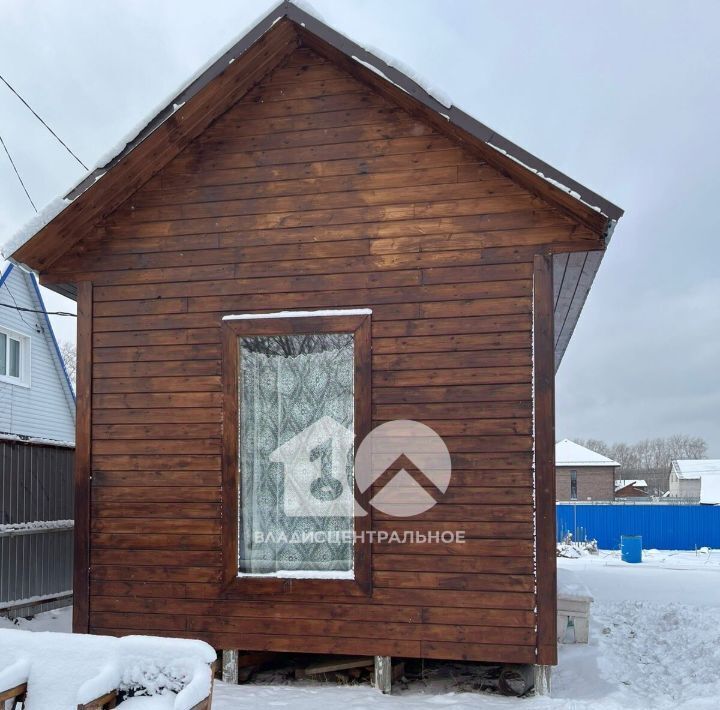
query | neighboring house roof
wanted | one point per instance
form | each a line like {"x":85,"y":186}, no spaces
{"x":639,"y":483}
{"x":44,"y":411}
{"x":568,"y":453}
{"x":694,"y":468}
{"x":234,"y":72}
{"x":710,"y":488}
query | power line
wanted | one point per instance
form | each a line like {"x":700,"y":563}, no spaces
{"x":12,"y":162}
{"x":34,"y":113}
{"x":18,"y":308}
{"x":34,"y":310}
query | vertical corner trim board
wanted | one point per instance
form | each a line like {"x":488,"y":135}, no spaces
{"x":544,"y":399}
{"x":83,"y":439}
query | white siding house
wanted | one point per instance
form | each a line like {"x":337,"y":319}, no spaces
{"x":37,"y":449}
{"x":36,"y":398}
{"x":688,"y":476}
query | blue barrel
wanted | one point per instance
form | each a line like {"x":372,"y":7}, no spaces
{"x":631,"y":548}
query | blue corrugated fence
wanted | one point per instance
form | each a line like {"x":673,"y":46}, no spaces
{"x":663,"y":527}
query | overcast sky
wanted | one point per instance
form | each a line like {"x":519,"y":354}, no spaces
{"x":622,"y":96}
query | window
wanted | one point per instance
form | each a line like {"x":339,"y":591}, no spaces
{"x":296,"y":404}
{"x":573,"y":485}
{"x":14,"y":358}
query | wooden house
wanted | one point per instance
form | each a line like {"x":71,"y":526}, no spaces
{"x":300,"y":173}
{"x":631,"y":488}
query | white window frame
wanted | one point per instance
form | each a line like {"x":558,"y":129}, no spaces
{"x":25,"y":345}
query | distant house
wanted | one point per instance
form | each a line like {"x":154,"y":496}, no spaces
{"x":631,"y":488}
{"x":710,"y":489}
{"x":686,"y":477}
{"x":37,"y":446}
{"x":583,"y":474}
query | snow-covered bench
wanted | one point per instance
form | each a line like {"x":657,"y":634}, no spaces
{"x":46,"y":670}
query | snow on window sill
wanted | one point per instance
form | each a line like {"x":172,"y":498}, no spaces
{"x":300,"y":574}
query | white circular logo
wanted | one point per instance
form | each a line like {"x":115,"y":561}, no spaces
{"x":416,"y":461}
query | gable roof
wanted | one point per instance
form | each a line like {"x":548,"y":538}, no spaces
{"x":21,"y":287}
{"x":568,"y":453}
{"x":694,"y":468}
{"x":232,"y":74}
{"x":631,"y":483}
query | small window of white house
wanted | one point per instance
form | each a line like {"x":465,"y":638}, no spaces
{"x":14,"y":358}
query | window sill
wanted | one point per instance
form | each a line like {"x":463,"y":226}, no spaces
{"x":14,"y":381}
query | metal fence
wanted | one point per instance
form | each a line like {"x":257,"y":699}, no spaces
{"x":36,"y":527}
{"x":662,"y":526}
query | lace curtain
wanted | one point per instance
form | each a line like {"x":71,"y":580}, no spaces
{"x":296,"y":453}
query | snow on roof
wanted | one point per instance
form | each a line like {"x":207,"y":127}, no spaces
{"x":710,"y":488}
{"x":694,"y":468}
{"x":637,"y":483}
{"x":390,"y":68}
{"x":568,"y":453}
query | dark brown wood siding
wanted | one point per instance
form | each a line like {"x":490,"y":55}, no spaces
{"x":312,"y":192}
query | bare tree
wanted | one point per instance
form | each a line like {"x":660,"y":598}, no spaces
{"x":650,"y":459}
{"x":69,"y":356}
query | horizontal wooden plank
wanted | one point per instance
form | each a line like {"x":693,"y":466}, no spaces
{"x":515,"y":414}
{"x":381,"y":630}
{"x":470,"y":530}
{"x":442,"y":580}
{"x":453,"y":564}
{"x":446,"y":511}
{"x":454,"y":359}
{"x":279,"y":156}
{"x":457,"y":376}
{"x":306,"y":186}
{"x":191,"y":566}
{"x":396,"y":195}
{"x":278,"y":609}
{"x":477,"y":652}
{"x":140,"y":509}
{"x":406,"y":597}
{"x":381,"y":328}
{"x":415,"y":159}
{"x":139,"y":338}
{"x":490,"y":548}
{"x":451,"y":343}
{"x":194,"y":430}
{"x":452,"y":326}
{"x":156,"y":565}
{"x":171,"y":368}
{"x":156,"y":494}
{"x":477,"y":394}
{"x":477,"y":238}
{"x":154,"y":525}
{"x":153,"y":541}
{"x":182,"y":353}
{"x":461,"y":428}
{"x":189,"y":478}
{"x":158,"y":416}
{"x":197,"y":383}
{"x":143,"y":462}
{"x":155,"y":400}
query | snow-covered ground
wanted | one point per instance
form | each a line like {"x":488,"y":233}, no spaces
{"x":654,"y":643}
